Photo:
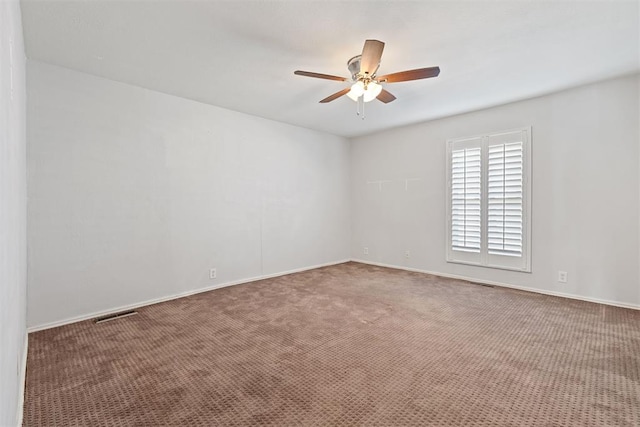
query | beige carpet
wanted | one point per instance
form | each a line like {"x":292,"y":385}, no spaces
{"x":345,"y":345}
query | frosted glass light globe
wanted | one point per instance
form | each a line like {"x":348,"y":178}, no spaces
{"x":373,"y":90}
{"x":357,"y":90}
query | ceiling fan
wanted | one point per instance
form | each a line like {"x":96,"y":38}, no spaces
{"x":366,"y":83}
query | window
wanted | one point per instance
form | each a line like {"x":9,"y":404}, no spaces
{"x":488,"y":200}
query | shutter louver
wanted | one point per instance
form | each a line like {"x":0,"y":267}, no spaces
{"x":505,"y":199}
{"x":466,"y":200}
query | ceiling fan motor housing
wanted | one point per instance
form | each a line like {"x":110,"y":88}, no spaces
{"x":354,"y":67}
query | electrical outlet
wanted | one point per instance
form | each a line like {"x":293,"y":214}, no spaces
{"x":212,"y":273}
{"x":366,"y":251}
{"x":562,"y":276}
{"x":407,"y":254}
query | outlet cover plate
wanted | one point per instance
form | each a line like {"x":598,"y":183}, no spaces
{"x":562,"y":276}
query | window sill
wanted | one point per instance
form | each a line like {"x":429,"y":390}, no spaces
{"x":493,"y":267}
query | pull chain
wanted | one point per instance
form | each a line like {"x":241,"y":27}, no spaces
{"x":360,"y":107}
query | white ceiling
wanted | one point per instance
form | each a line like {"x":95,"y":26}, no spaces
{"x":241,"y":55}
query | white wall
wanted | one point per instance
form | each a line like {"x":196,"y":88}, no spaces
{"x":585,"y":192}
{"x":13,"y":204}
{"x":134,"y":195}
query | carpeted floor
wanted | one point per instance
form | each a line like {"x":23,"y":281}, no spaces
{"x":345,"y":345}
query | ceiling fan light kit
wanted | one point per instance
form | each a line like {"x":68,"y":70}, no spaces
{"x":368,"y":92}
{"x":367,"y":85}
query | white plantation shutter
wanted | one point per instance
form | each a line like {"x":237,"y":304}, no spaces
{"x":505,"y":199}
{"x":465,"y":199}
{"x":488,"y":200}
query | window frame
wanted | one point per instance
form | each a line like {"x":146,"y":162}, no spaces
{"x":483,"y":258}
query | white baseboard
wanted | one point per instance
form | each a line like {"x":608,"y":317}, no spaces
{"x":172,"y":297}
{"x":505,"y":285}
{"x":284,"y":273}
{"x":23,"y":380}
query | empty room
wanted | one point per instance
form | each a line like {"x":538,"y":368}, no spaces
{"x":327,"y":213}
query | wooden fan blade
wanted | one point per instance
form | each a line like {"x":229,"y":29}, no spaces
{"x":371,"y":54}
{"x":319,"y":76}
{"x":335,"y":95}
{"x":405,"y":76}
{"x":386,"y":96}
